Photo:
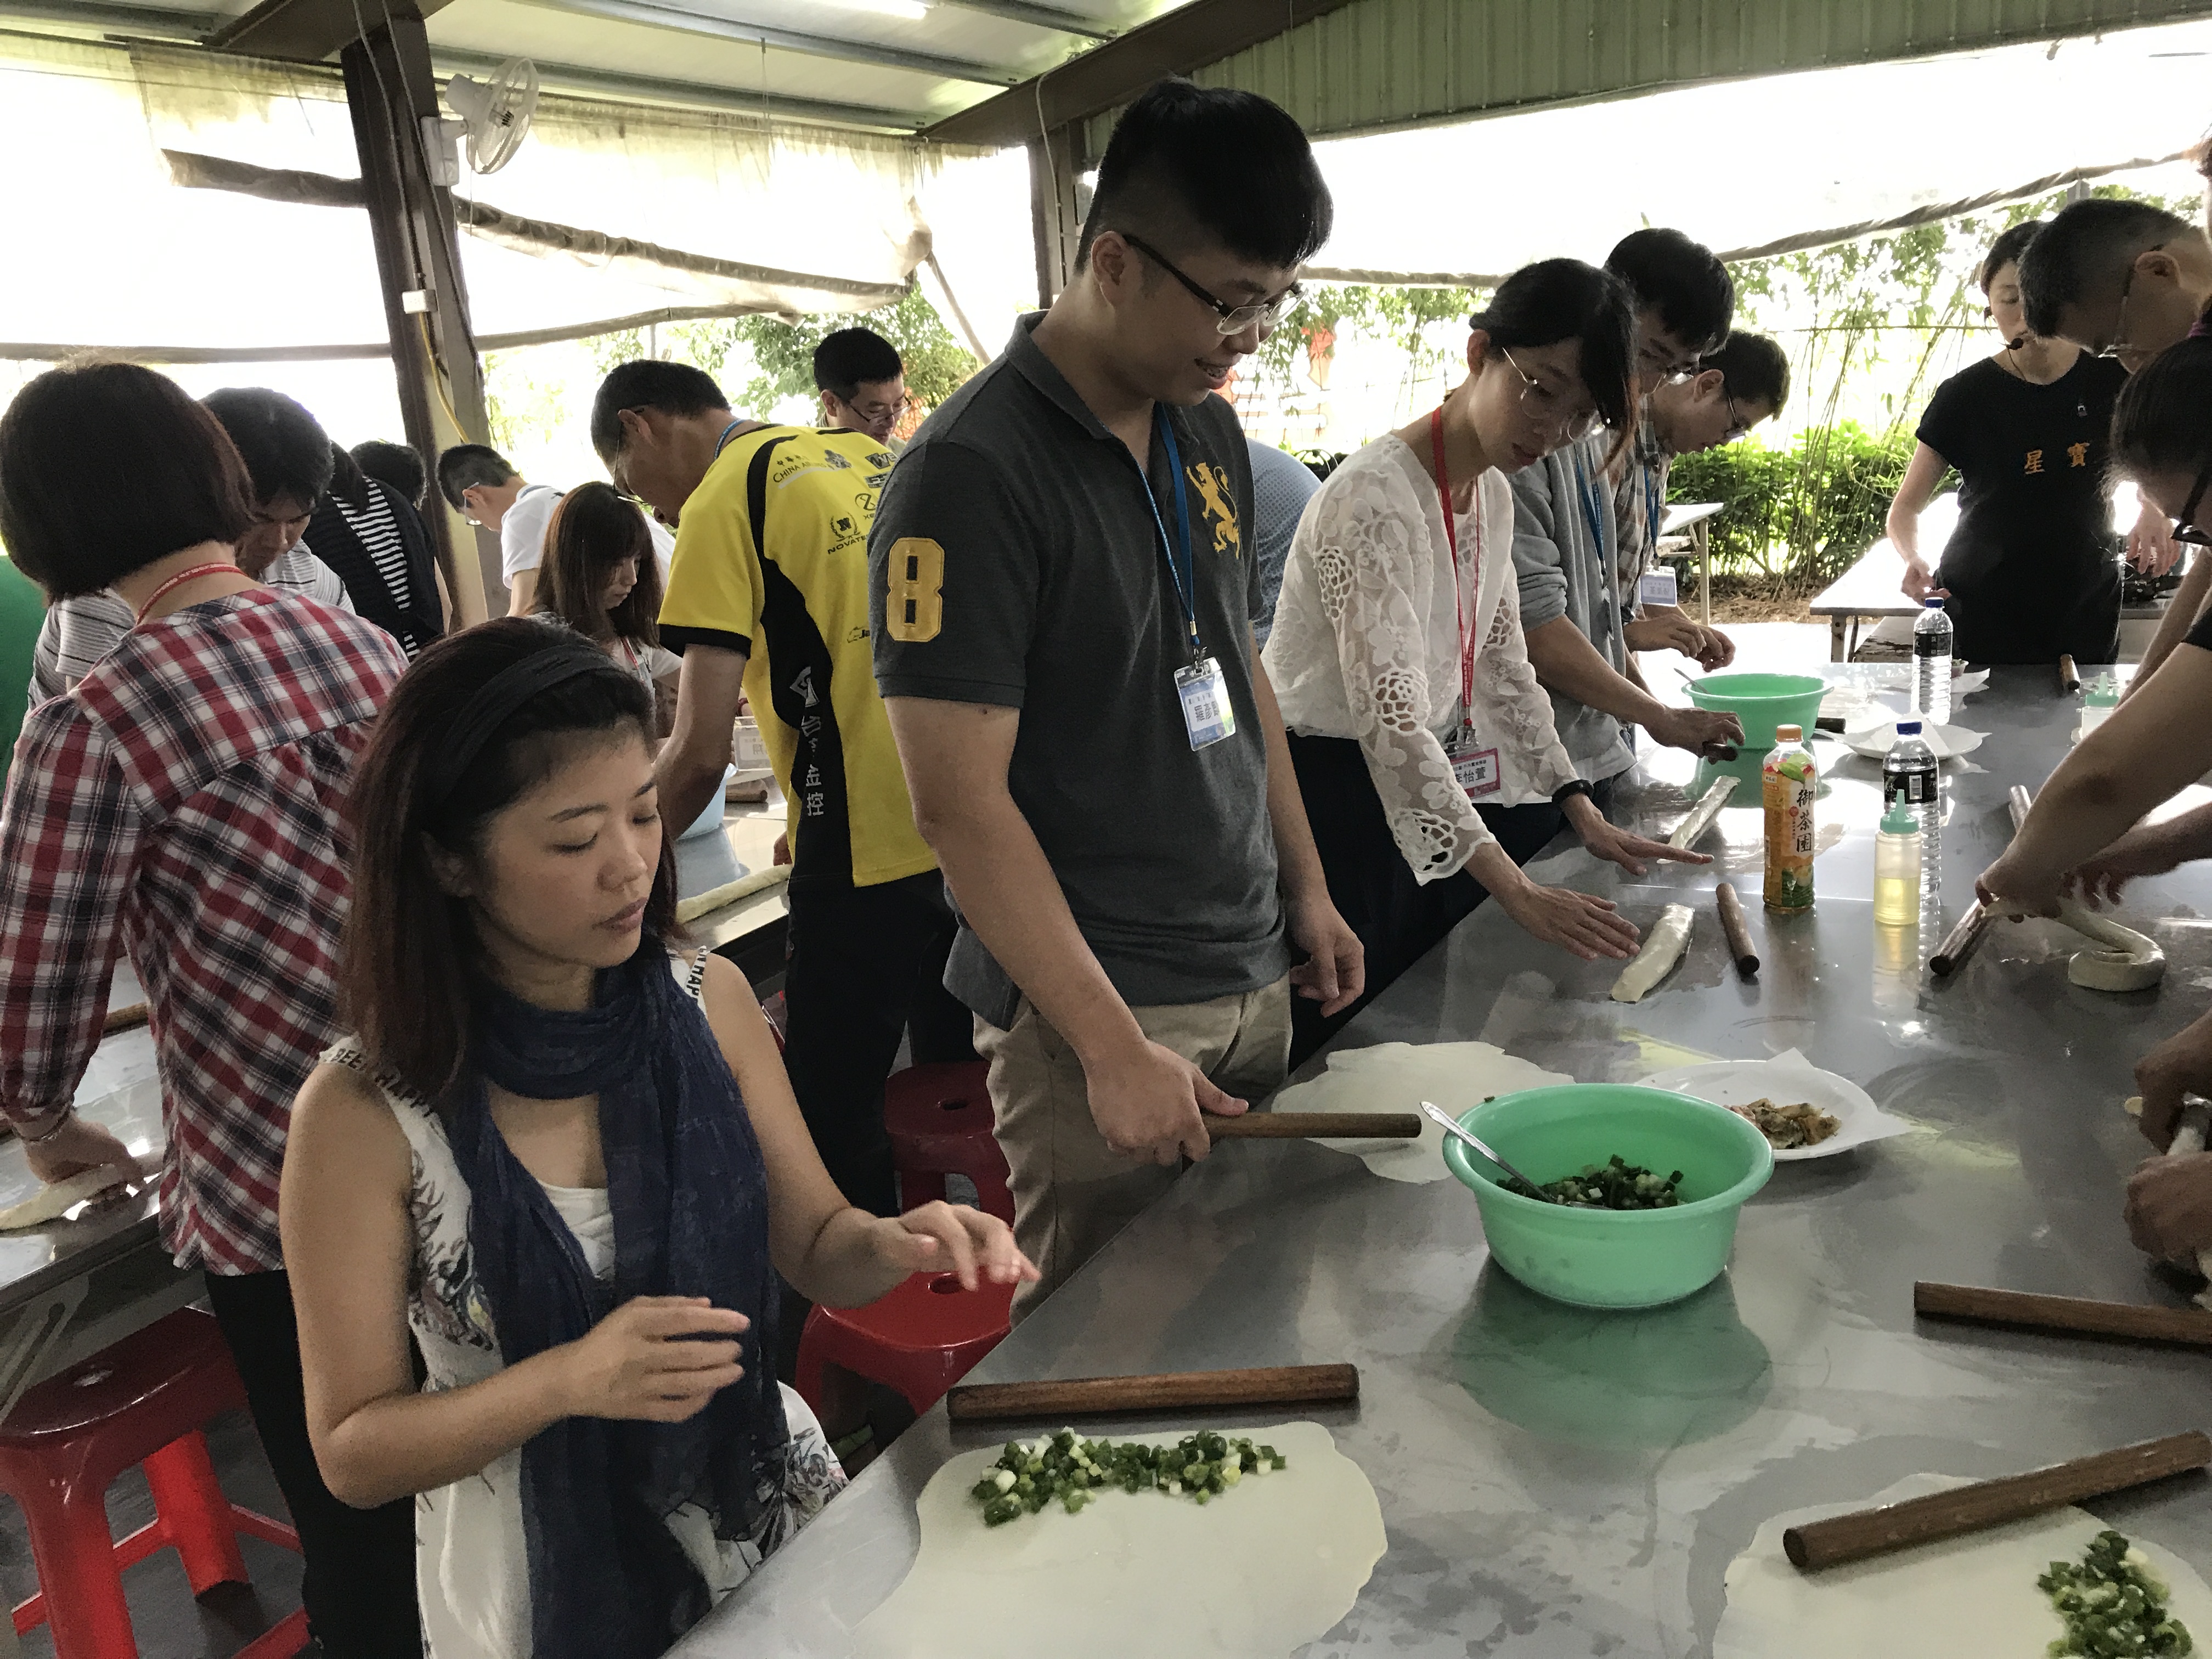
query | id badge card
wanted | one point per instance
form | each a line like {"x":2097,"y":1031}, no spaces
{"x":1204,"y":695}
{"x":1474,"y":769}
{"x":1657,"y":587}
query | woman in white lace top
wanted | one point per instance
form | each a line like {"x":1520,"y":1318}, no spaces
{"x":1424,"y":748}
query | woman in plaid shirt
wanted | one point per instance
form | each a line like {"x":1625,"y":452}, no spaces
{"x":182,"y":802}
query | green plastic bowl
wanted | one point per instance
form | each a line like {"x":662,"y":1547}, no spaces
{"x":1762,"y":702}
{"x":1613,"y":1258}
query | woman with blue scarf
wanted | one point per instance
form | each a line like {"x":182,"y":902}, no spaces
{"x":565,"y":1154}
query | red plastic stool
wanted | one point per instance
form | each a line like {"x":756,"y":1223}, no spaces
{"x":141,"y":1402}
{"x":920,"y":1339}
{"x":940,"y":1120}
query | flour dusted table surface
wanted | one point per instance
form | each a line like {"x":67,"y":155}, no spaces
{"x":1557,"y":1482}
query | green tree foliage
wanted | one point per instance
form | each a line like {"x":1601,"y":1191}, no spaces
{"x":783,"y":353}
{"x":1795,"y":518}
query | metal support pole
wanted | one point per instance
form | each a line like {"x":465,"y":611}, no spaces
{"x":1056,"y":221}
{"x":389,"y":88}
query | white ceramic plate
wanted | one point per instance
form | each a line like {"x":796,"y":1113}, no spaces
{"x":1785,"y":1081}
{"x":1949,"y":741}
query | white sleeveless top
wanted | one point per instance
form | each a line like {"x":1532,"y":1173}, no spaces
{"x":472,"y":1569}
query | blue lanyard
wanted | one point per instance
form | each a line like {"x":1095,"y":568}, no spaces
{"x":722,"y":442}
{"x":1654,"y":510}
{"x":1181,"y":573}
{"x":1593,"y":508}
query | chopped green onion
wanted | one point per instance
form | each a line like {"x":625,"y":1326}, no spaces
{"x":1028,"y":1475}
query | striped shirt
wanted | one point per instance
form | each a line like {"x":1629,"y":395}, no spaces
{"x":183,"y":804}
{"x":378,"y":532}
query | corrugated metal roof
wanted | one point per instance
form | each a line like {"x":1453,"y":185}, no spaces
{"x":1378,"y":64}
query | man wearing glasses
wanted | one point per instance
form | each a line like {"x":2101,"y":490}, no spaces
{"x":863,"y":384}
{"x":1575,"y":608}
{"x":1063,"y":577}
{"x":1736,"y":387}
{"x":2124,"y":279}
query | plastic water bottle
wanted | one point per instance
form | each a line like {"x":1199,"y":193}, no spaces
{"x":1911,"y":778}
{"x":2097,"y":705}
{"x":1789,"y":781}
{"x":1931,"y":662}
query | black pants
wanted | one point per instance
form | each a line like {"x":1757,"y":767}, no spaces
{"x":359,"y":1585}
{"x":1398,"y":920}
{"x":864,"y":966}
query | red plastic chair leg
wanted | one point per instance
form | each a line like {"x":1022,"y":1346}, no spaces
{"x":920,"y":1187}
{"x":196,"y":1518}
{"x":82,"y":1608}
{"x":280,"y":1641}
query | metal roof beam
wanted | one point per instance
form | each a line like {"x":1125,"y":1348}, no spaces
{"x":1043,"y":17}
{"x":1200,"y":32}
{"x":97,"y":14}
{"x":308,"y":30}
{"x":659,"y":15}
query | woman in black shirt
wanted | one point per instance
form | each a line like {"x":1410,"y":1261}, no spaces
{"x":2032,"y":571}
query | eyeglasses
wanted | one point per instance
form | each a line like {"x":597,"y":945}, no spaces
{"x":1737,"y":426}
{"x":873,"y":413}
{"x":1651,"y":358}
{"x":2186,"y":528}
{"x":2118,"y":342}
{"x":1232,"y":320}
{"x":1548,"y":406}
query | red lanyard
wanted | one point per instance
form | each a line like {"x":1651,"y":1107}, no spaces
{"x":1459,"y":603}
{"x":180,"y":579}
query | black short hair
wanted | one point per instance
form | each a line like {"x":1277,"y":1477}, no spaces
{"x":396,"y":465}
{"x":1686,"y":280}
{"x":286,"y":450}
{"x":2088,"y":247}
{"x":105,"y":467}
{"x":851,"y":357}
{"x":1556,"y":300}
{"x":2163,"y":420}
{"x":1168,"y":170}
{"x":2007,"y":251}
{"x":649,"y":383}
{"x":1753,"y":368}
{"x":471,"y":466}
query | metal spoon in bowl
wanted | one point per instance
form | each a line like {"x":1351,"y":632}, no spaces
{"x":1451,"y":1126}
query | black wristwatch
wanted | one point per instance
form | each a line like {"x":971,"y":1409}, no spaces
{"x":1576,"y":787}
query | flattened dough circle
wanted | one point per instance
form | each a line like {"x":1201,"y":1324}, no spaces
{"x":1257,"y":1574}
{"x":2120,"y":959}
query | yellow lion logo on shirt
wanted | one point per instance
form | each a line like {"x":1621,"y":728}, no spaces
{"x":1213,"y":495}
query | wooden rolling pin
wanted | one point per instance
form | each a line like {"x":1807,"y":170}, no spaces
{"x":2018,"y":802}
{"x":1174,"y":1391}
{"x":1737,"y":930}
{"x":2076,"y":1316}
{"x":2070,"y":678}
{"x":1303,"y":1125}
{"x":1990,"y":1503}
{"x":129,"y":1018}
{"x":1702,"y":814}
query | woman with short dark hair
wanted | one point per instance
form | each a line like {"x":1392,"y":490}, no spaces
{"x":1424,"y":749}
{"x":181,"y":803}
{"x":2032,"y":570}
{"x":600,"y":578}
{"x":564,"y":1152}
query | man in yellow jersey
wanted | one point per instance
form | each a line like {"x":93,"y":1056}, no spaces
{"x":768,"y":598}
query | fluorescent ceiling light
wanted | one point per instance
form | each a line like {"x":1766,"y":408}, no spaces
{"x":912,"y":11}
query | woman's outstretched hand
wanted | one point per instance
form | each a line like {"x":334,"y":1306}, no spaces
{"x":941,"y":1237}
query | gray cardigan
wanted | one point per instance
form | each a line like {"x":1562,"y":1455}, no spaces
{"x":1565,"y":551}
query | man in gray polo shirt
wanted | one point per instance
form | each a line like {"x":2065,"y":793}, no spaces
{"x":1566,"y":540}
{"x":1064,"y":578}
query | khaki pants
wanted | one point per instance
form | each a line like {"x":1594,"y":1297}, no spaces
{"x":1072,"y":1192}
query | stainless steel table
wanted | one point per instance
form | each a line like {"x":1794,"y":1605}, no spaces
{"x":1560,"y":1483}
{"x":71,"y":1287}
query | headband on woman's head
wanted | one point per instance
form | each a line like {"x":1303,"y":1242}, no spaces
{"x":494,"y":702}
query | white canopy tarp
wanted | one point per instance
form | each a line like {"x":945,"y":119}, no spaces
{"x":1746,"y":165}
{"x":110,"y":251}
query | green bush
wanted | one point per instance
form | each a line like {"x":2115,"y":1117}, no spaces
{"x":1795,"y":519}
